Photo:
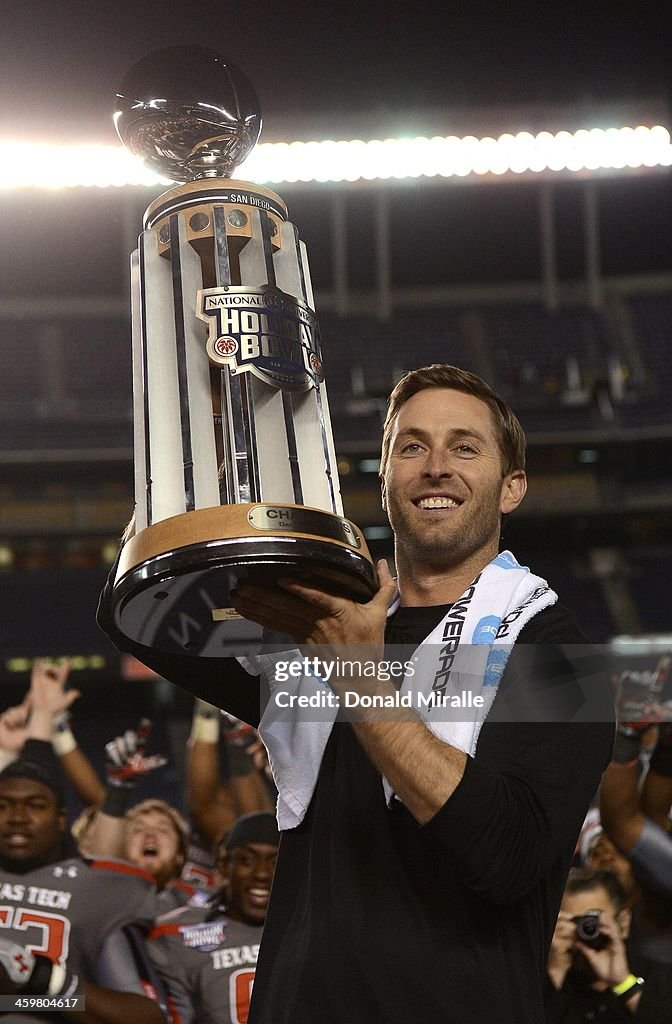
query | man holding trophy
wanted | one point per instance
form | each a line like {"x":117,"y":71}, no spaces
{"x":428,"y":816}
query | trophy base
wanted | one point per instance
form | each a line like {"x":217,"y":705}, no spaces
{"x":174,"y":581}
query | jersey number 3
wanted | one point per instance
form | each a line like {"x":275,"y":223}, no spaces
{"x":55,"y":931}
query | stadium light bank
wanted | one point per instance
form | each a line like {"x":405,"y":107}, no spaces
{"x":585,"y":152}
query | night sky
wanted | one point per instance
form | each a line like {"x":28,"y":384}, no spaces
{"x":62,"y":60}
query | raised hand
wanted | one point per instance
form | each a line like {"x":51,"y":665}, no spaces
{"x":14,"y":726}
{"x":316,"y":617}
{"x":47,"y":687}
{"x":610,"y":964}
{"x":562,"y":947}
{"x":126,"y":762}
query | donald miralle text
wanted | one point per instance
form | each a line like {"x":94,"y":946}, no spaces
{"x":321,"y":671}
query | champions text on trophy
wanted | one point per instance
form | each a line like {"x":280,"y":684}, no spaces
{"x":235,"y":471}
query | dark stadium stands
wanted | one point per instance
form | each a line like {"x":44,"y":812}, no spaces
{"x":20,"y":383}
{"x":75,"y":373}
{"x":650,"y":571}
{"x":97,"y":368}
{"x":65,"y":397}
{"x":652,"y":320}
{"x":537,"y":352}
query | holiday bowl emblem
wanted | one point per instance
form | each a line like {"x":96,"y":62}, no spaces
{"x":265,"y":332}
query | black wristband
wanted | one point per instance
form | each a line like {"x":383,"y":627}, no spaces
{"x":116,"y":801}
{"x":626,"y":745}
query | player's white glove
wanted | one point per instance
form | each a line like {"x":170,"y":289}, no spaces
{"x":33,"y":974}
{"x":126,"y":762}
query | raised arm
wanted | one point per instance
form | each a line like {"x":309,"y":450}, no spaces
{"x":656,"y":797}
{"x":13,"y":730}
{"x":214,"y":805}
{"x":211,"y":805}
{"x":51,"y":702}
{"x":48,"y":696}
{"x":621,"y":815}
{"x":126,"y":763}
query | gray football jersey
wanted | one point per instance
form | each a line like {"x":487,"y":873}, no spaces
{"x":207,"y":962}
{"x":73,"y":912}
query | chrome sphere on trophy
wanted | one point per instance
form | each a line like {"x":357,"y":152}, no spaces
{"x":235,"y":470}
{"x":188,"y":113}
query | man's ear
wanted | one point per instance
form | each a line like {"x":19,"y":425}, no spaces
{"x":624,"y":920}
{"x":514,"y":487}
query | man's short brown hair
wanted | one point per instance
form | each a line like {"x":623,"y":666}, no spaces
{"x":510,"y":436}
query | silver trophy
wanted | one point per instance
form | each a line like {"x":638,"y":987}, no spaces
{"x":235,"y":470}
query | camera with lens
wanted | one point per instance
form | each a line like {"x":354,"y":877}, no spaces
{"x":588,"y":930}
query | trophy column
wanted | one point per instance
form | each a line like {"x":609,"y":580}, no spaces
{"x":235,"y":470}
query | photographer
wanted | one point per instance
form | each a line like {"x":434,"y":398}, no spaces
{"x":589,"y":973}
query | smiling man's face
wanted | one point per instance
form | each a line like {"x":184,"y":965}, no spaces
{"x":31,"y":825}
{"x":247,"y":875}
{"x":443,"y":487}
